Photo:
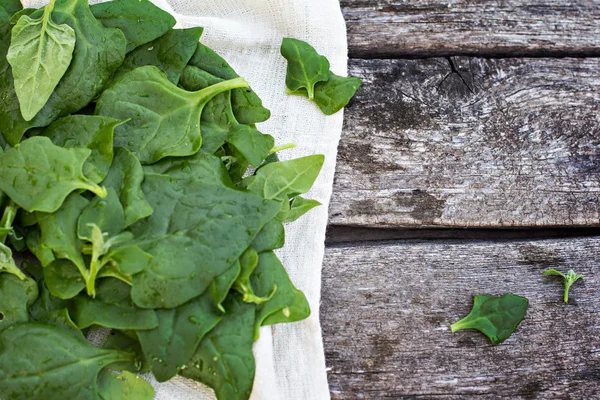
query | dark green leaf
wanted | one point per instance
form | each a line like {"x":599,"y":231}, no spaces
{"x":105,"y":213}
{"x":163,"y":119}
{"x":126,"y":176}
{"x":11,"y":6}
{"x":112,"y":308}
{"x":219,"y":288}
{"x":119,"y":340}
{"x":189,"y":221}
{"x":497,"y":317}
{"x":43,"y":253}
{"x":87,"y":131}
{"x":140,"y":20}
{"x":170,"y":53}
{"x":123,"y":386}
{"x":39,"y":361}
{"x":334,"y":94}
{"x":63,"y":279}
{"x":270,"y":237}
{"x":39,"y":175}
{"x":45,"y":303}
{"x":98,"y":53}
{"x":252,"y":144}
{"x":247,"y":106}
{"x":305,"y":66}
{"x":61,"y":319}
{"x":288,"y":304}
{"x":173,"y":343}
{"x":224,"y":359}
{"x":16,"y":296}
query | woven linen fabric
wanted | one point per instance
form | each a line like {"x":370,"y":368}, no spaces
{"x":248,"y":33}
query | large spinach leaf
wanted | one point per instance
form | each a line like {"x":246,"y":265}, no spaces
{"x":40,"y":53}
{"x":87,"y":131}
{"x":39,"y":361}
{"x":163,"y":119}
{"x":99,"y":51}
{"x":140,"y":20}
{"x":39,"y":175}
{"x":213,"y":220}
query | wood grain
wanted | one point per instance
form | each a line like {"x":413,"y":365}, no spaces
{"x":471,"y":142}
{"x":425,"y":28}
{"x":386,"y":310}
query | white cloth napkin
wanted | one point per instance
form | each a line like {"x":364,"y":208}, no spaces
{"x":248,"y":33}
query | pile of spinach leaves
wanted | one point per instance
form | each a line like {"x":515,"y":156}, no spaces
{"x":136,"y":194}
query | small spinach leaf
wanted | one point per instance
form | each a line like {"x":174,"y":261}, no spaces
{"x":64,"y":279}
{"x":333,"y":94}
{"x":126,"y":176}
{"x":252,"y":145}
{"x":173,"y":343}
{"x":305,"y":66}
{"x":569,"y":278}
{"x":16,"y":296}
{"x":112,"y":308}
{"x":224,"y":359}
{"x":39,"y":175}
{"x":40,"y":361}
{"x":300,"y":206}
{"x":39,"y":250}
{"x":7,"y":263}
{"x":170,"y":53}
{"x":123,"y":386}
{"x":497,"y":317}
{"x":40,"y":53}
{"x":140,"y":20}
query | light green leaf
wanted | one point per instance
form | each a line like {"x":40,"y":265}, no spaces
{"x":7,"y":263}
{"x":40,"y":53}
{"x":299,"y":207}
{"x":569,"y":279}
{"x":124,"y":386}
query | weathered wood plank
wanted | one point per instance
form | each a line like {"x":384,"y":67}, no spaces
{"x":469,"y":142}
{"x":393,"y":28}
{"x":386,"y":310}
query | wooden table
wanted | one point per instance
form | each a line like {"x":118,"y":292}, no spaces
{"x":469,"y":163}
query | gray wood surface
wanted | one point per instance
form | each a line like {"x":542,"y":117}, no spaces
{"x":417,"y":28}
{"x":471,"y":142}
{"x":386,"y":309}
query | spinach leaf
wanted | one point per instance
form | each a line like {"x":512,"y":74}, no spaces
{"x":283,"y":180}
{"x":105,"y":214}
{"x":64,"y":279}
{"x":252,"y":145}
{"x":16,"y":296}
{"x":11,"y":6}
{"x":45,"y":303}
{"x":7,"y":262}
{"x":123,"y":340}
{"x":248,"y":262}
{"x":98,"y":53}
{"x":270,"y":237}
{"x":173,"y":343}
{"x":123,"y":386}
{"x":40,"y":251}
{"x":569,"y":278}
{"x":189,"y":220}
{"x":4,"y":15}
{"x":224,"y":359}
{"x":61,"y":319}
{"x":125,"y":177}
{"x":305,"y":66}
{"x":170,"y":53}
{"x":40,"y":361}
{"x":39,"y":175}
{"x":163,"y":119}
{"x":112,"y":308}
{"x":333,"y":94}
{"x":40,"y":53}
{"x":16,"y":16}
{"x":287,"y":304}
{"x":497,"y":317}
{"x":87,"y":131}
{"x":300,"y":206}
{"x":219,"y":288}
{"x":246,"y":105}
{"x":140,"y":20}
{"x":59,"y":230}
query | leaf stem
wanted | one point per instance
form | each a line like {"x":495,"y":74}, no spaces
{"x":282,"y":147}
{"x":204,"y":95}
{"x":10,"y":212}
